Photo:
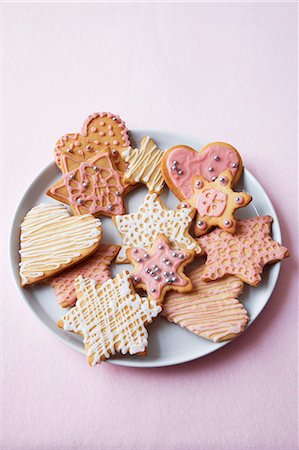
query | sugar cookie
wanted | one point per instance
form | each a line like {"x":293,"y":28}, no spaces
{"x":52,"y":240}
{"x":140,"y":229}
{"x":111,"y":317}
{"x":212,"y":310}
{"x":243,"y":254}
{"x":215,"y":203}
{"x":180,"y":164}
{"x":145,"y":165}
{"x":93,"y":186}
{"x":99,"y":131}
{"x":161,"y":269}
{"x":95,"y":267}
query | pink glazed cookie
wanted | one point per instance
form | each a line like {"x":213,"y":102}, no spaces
{"x":96,"y":268}
{"x":160,"y":269}
{"x":180,"y":164}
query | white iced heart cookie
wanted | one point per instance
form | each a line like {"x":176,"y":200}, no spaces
{"x":52,"y":240}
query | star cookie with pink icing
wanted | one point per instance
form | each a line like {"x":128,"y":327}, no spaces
{"x":243,"y":254}
{"x":96,"y":267}
{"x":215,"y":203}
{"x":160,"y":269}
{"x":94,"y":186}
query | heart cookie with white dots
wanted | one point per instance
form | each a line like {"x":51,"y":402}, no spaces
{"x":181,"y":164}
{"x":100,"y":131}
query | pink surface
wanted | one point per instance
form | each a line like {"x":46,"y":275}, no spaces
{"x":217,"y":71}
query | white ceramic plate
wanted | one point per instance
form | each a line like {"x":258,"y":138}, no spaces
{"x":168,"y":343}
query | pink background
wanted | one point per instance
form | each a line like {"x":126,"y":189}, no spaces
{"x":216,"y":71}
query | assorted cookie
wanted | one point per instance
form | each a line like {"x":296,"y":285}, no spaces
{"x":99,"y":166}
{"x":110,"y":317}
{"x":51,"y":240}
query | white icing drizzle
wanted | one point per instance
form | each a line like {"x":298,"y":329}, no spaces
{"x":51,"y":238}
{"x":140,"y":229}
{"x":110,"y":317}
{"x":145,"y":164}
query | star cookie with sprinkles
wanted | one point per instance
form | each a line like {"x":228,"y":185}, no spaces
{"x":216,"y":202}
{"x":94,"y":186}
{"x":145,"y":165}
{"x":243,"y":254}
{"x":95,"y":267}
{"x":140,"y":229}
{"x":161,"y":269}
{"x":111,"y":317}
{"x":100,"y":131}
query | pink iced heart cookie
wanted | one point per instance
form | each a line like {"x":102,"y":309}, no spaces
{"x":181,"y":164}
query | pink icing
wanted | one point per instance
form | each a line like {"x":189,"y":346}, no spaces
{"x":159,"y":269}
{"x":95,"y":267}
{"x":191,"y":163}
{"x":105,"y":183}
{"x":243,"y":254}
{"x":211,"y":310}
{"x":211,"y":202}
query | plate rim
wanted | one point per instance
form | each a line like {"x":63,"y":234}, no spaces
{"x":14,"y":225}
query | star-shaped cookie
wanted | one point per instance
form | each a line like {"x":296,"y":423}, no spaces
{"x":111,"y":317}
{"x":95,"y":267}
{"x":140,"y":229}
{"x":144,"y":165}
{"x":94,"y":186}
{"x":212,"y":310}
{"x":99,"y":132}
{"x":243,"y":254}
{"x":161,"y":269}
{"x":216,"y":202}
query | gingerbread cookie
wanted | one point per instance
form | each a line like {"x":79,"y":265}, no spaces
{"x":52,"y":240}
{"x":215,"y":203}
{"x":145,"y":165}
{"x":93,"y":186}
{"x":180,"y":164}
{"x":243,"y":254}
{"x":95,"y":267}
{"x":111,"y":317}
{"x":161,"y":269}
{"x":140,"y":229}
{"x":212,"y":310}
{"x":100,"y":131}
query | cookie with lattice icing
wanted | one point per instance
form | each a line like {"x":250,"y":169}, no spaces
{"x":243,"y":254}
{"x":100,"y":131}
{"x":52,"y":240}
{"x":140,"y":229}
{"x":161,"y":269}
{"x":94,"y":186}
{"x":180,"y":164}
{"x":111,"y":317}
{"x":95,"y":267}
{"x":144,"y":165}
{"x":212,"y":310}
{"x":215,"y":203}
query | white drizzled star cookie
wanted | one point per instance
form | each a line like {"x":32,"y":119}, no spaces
{"x":111,"y":317}
{"x":212,"y":310}
{"x":52,"y":240}
{"x":144,"y":165}
{"x":140,"y":229}
{"x":160,"y":270}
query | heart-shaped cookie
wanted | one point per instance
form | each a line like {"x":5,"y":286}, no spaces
{"x":52,"y":240}
{"x":181,"y":164}
{"x":99,"y":131}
